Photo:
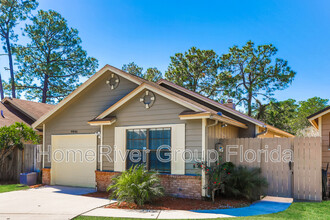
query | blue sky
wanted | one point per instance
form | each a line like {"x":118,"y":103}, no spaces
{"x":149,"y":32}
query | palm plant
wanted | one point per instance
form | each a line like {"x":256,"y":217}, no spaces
{"x":246,"y":182}
{"x":136,"y":185}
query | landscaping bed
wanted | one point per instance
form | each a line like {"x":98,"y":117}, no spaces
{"x":173,"y":203}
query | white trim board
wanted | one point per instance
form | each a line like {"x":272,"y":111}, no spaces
{"x":178,"y":144}
{"x":82,"y":87}
{"x":139,"y":89}
{"x":212,"y":102}
{"x":319,"y":115}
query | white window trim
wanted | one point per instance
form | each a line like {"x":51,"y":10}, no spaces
{"x":177,"y":145}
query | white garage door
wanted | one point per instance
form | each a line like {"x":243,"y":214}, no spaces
{"x":74,"y":160}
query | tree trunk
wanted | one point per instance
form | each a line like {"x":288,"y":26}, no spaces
{"x":11,"y":68}
{"x":1,"y":89}
{"x":45,"y":89}
{"x":250,"y":104}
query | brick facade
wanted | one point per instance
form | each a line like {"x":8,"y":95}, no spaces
{"x":183,"y":186}
{"x":175,"y":185}
{"x":46,"y":176}
{"x":103,"y":179}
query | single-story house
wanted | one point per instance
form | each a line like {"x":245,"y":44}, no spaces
{"x":128,"y":113}
{"x":16,"y":110}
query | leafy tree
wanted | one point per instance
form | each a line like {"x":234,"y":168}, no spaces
{"x":11,"y":12}
{"x":14,"y":136}
{"x":133,"y":69}
{"x":53,"y":62}
{"x":196,"y":70}
{"x":279,"y":114}
{"x":250,"y":75}
{"x":152,"y":74}
{"x":306,"y":108}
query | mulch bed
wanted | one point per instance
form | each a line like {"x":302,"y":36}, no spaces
{"x":104,"y":195}
{"x":36,"y":186}
{"x":172,"y":203}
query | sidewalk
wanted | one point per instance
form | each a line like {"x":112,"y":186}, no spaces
{"x":267,"y":205}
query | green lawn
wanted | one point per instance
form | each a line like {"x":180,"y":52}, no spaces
{"x":298,"y":211}
{"x":12,"y":187}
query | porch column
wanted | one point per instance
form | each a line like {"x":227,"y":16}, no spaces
{"x":204,"y":150}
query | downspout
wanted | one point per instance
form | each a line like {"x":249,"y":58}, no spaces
{"x":263,"y":132}
{"x":204,"y":144}
{"x":43,"y":144}
{"x":101,"y":148}
{"x":215,"y":122}
{"x":204,"y":151}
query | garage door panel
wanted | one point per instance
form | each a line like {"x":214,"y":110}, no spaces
{"x":70,"y":165}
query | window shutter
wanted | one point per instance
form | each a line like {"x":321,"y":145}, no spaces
{"x":178,"y":149}
{"x":120,"y":149}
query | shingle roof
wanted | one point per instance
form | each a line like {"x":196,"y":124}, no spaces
{"x":223,"y":107}
{"x":18,"y":110}
{"x":319,"y":112}
{"x":140,"y":81}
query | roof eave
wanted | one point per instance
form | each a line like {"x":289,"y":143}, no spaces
{"x":107,"y":67}
{"x":97,"y":123}
{"x":279,"y":131}
{"x":19,"y":108}
{"x":139,"y":89}
{"x":213,"y":117}
{"x":319,"y":114}
{"x":214,"y":103}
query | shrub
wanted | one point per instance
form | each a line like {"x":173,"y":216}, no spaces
{"x":14,"y":136}
{"x":136,"y":185}
{"x":245,"y":182}
{"x":217,"y":175}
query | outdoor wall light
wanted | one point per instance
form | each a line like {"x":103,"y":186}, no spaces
{"x":223,"y":125}
{"x":219,"y":147}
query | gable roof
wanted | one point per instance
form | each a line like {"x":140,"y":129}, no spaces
{"x":18,"y":110}
{"x":212,"y":102}
{"x":72,"y":95}
{"x":312,"y":118}
{"x":198,"y":110}
{"x":223,"y":107}
{"x":319,"y":113}
{"x":174,"y":96}
{"x":181,"y":100}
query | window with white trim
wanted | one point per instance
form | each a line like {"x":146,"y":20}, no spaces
{"x":149,"y":147}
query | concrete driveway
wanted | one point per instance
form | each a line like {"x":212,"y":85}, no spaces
{"x":49,"y":202}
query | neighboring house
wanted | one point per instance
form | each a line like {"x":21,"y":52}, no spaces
{"x":129,"y":113}
{"x":321,"y":121}
{"x":18,"y":110}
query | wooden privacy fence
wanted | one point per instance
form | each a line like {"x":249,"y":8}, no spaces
{"x":292,"y":166}
{"x":21,"y":161}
